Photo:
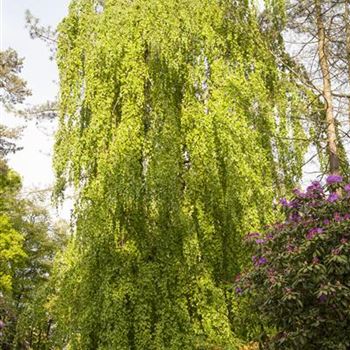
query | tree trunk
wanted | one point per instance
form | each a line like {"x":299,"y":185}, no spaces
{"x":347,"y":28}
{"x":327,"y":90}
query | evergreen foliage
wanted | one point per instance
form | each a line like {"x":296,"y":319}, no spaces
{"x":13,"y":90}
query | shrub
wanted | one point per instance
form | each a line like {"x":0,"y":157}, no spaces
{"x":299,"y":281}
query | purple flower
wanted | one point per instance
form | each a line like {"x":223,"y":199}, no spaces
{"x":310,"y":236}
{"x":260,"y":241}
{"x":239,"y":290}
{"x":347,"y":216}
{"x":313,"y":232}
{"x":322,"y":298}
{"x":299,"y":193}
{"x":314,"y":189}
{"x":261,"y":261}
{"x":326,"y":222}
{"x":347,"y":188}
{"x":317,"y":184}
{"x":337,"y":217}
{"x":295,"y":203}
{"x":334,"y":179}
{"x":284,"y":202}
{"x":333,"y":197}
{"x":294,"y":217}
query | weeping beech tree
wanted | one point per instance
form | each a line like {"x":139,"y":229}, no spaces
{"x":176,"y":124}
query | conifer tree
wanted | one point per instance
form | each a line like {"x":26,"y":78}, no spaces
{"x":13,"y":90}
{"x":320,"y":31}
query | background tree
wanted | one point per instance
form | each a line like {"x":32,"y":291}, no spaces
{"x":13,"y":90}
{"x":28,"y":244}
{"x":11,"y":241}
{"x":318,"y":31}
{"x":28,"y":240}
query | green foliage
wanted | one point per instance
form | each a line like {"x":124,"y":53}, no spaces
{"x":13,"y":90}
{"x":298,"y":286}
{"x":11,"y":241}
{"x":12,"y":87}
{"x":27,"y":248}
{"x":175,"y":125}
{"x":11,"y":251}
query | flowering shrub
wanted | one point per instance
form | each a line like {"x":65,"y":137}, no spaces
{"x":299,"y":282}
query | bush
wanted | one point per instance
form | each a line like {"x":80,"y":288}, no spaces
{"x":299,"y":281}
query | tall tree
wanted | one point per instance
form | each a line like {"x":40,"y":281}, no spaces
{"x":28,"y":243}
{"x":327,"y":89}
{"x":320,"y":29}
{"x":28,"y":240}
{"x":13,"y":90}
{"x":175,"y":126}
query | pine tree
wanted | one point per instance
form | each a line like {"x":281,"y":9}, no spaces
{"x":320,"y":30}
{"x":13,"y":90}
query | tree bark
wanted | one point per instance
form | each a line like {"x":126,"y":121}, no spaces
{"x":347,"y":33}
{"x":327,"y":91}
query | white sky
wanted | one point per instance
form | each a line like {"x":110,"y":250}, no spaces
{"x":34,"y":161}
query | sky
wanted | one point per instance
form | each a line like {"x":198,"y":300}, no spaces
{"x":33,"y":163}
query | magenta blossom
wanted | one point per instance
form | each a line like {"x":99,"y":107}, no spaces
{"x":337,"y":217}
{"x":294,"y":217}
{"x":314,"y":190}
{"x":322,"y":298}
{"x":284,"y":202}
{"x":239,"y":290}
{"x":299,"y":193}
{"x":334,"y":179}
{"x":313,"y":232}
{"x":333,"y":197}
{"x":347,"y":188}
{"x":258,"y":261}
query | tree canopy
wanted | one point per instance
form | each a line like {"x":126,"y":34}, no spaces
{"x":176,"y":123}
